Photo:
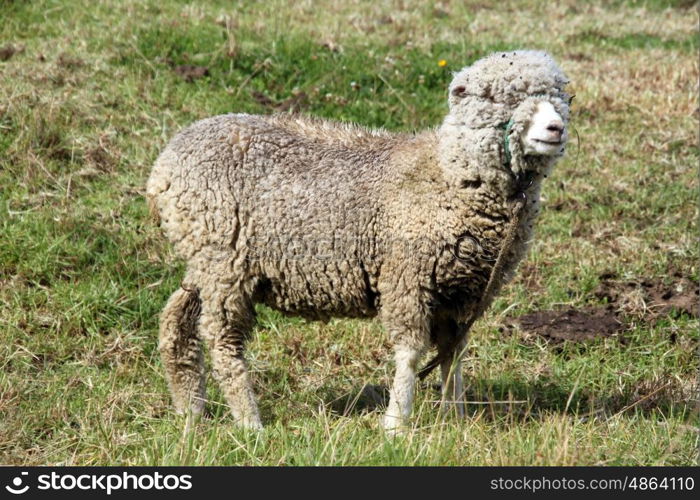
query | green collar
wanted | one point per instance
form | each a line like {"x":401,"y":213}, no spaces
{"x":507,"y":126}
{"x":525,"y":179}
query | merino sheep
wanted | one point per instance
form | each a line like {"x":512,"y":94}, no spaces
{"x":321,"y":219}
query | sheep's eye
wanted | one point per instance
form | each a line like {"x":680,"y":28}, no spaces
{"x":459,"y":91}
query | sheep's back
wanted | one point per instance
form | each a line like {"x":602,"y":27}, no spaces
{"x":297,"y":214}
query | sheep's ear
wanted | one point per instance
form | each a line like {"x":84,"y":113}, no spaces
{"x":459,"y":91}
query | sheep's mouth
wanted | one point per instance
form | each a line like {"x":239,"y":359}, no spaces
{"x":551,"y":143}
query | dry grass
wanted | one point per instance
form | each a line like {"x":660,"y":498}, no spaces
{"x":90,"y":95}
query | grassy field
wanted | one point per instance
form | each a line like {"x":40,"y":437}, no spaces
{"x":90,"y":91}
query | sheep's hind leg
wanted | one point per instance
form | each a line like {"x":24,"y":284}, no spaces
{"x":228,"y":321}
{"x":181,"y":351}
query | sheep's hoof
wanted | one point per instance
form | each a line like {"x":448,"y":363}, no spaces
{"x":452,"y":408}
{"x":395,"y":426}
{"x":250,"y":424}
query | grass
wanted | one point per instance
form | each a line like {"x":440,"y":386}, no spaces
{"x":90,"y":96}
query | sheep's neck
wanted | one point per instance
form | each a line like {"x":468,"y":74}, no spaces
{"x":470,"y":158}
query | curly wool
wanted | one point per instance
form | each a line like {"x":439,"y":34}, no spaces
{"x":322,"y":219}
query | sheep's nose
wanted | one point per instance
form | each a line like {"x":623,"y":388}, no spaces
{"x":555,"y":129}
{"x":556,"y":126}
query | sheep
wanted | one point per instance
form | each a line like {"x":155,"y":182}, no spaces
{"x":321,"y":219}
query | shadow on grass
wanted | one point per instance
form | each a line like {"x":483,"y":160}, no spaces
{"x":521,"y":400}
{"x":358,"y":401}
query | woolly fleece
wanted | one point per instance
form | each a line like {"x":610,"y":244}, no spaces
{"x":321,"y":219}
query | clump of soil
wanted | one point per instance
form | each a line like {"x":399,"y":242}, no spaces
{"x":298,"y":101}
{"x":190,"y":73}
{"x":69,"y":62}
{"x":102,"y":156}
{"x":8,"y":51}
{"x":650,"y":298}
{"x":571,"y":324}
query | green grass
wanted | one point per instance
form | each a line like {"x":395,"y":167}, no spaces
{"x":90,"y":98}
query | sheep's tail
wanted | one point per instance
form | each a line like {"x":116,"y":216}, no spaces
{"x":153,"y":211}
{"x":160,"y":181}
{"x":439,"y":358}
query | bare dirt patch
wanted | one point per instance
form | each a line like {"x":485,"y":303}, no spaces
{"x":650,"y":298}
{"x":190,"y":73}
{"x":644,"y":298}
{"x":571,"y":324}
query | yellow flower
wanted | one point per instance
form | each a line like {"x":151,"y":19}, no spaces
{"x":442,"y":63}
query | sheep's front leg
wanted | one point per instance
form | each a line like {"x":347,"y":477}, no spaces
{"x":452,"y":384}
{"x":227,"y":324}
{"x":401,"y":398}
{"x":406,"y":318}
{"x":451,"y":340}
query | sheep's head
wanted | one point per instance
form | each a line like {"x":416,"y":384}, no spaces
{"x":519,"y":95}
{"x":546,"y":132}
